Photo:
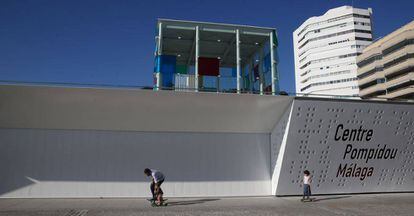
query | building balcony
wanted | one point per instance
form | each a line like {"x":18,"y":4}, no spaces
{"x":367,"y":68}
{"x":372,"y":89}
{"x":404,"y":78}
{"x":407,"y":34}
{"x":398,"y":67}
{"x":370,"y":78}
{"x":409,"y":90}
{"x":398,"y":53}
{"x":369,"y":52}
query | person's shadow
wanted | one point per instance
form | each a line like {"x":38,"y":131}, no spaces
{"x":190,"y":202}
{"x":330,"y":198}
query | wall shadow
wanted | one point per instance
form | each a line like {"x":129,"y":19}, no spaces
{"x":29,"y":156}
{"x":331,"y":198}
{"x":190,"y":202}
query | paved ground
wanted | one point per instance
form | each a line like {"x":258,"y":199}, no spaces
{"x":384,"y":204}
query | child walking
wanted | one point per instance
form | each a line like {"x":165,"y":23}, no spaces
{"x":306,"y":185}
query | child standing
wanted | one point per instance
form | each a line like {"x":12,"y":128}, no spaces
{"x":306,"y":185}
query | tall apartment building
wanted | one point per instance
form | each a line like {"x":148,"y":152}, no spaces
{"x":325,"y":49}
{"x":386,"y":68}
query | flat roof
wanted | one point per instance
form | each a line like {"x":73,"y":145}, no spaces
{"x":194,"y":23}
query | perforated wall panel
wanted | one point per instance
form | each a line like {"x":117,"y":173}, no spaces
{"x":349,"y":147}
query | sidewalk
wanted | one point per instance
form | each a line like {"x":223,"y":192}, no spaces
{"x":373,"y":204}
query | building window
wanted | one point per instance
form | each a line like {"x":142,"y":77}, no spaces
{"x":397,"y":46}
{"x":382,"y":80}
{"x":369,"y":60}
{"x":328,"y":83}
{"x":399,"y":60}
{"x":333,"y":35}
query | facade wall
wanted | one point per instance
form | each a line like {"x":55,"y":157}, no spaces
{"x":88,"y":142}
{"x":60,"y":144}
{"x":345,"y":162}
{"x":325,"y":50}
{"x":386,"y":68}
{"x":88,"y":163}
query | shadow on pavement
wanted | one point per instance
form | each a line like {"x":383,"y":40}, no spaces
{"x":331,"y":198}
{"x":191,"y":202}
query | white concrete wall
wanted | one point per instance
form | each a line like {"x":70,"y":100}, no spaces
{"x":69,"y":142}
{"x":88,"y":163}
{"x":311,"y":145}
{"x":278,"y":141}
{"x":137,"y":110}
{"x":87,"y":142}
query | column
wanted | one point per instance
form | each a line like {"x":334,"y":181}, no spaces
{"x":251,"y":75}
{"x":197,"y":49}
{"x":159,"y":53}
{"x":261,"y":74}
{"x":238,"y":60}
{"x":272,"y":62}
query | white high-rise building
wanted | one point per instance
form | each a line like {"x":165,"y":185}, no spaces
{"x":326,"y":48}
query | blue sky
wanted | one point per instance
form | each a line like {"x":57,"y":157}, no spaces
{"x":112,"y":42}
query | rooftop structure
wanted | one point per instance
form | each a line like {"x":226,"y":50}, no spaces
{"x":202,"y":56}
